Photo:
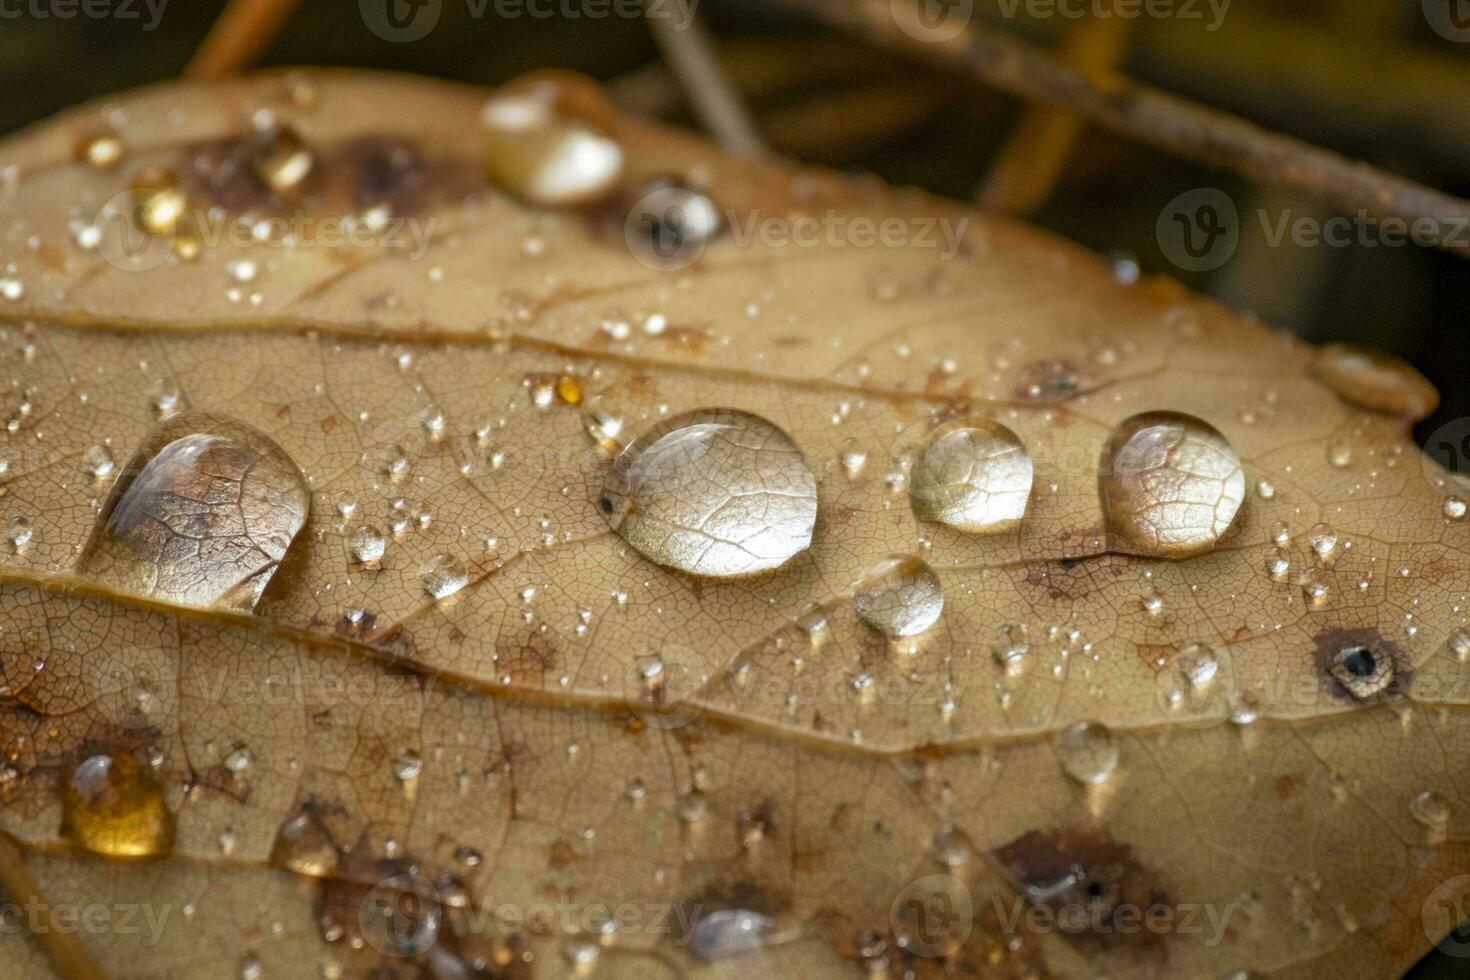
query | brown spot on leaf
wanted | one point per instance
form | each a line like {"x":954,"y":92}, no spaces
{"x":1094,"y":884}
{"x":1359,"y":665}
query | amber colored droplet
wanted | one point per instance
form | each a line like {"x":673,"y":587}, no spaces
{"x":1171,"y":485}
{"x":281,"y":159}
{"x":113,"y":805}
{"x":1376,"y":381}
{"x":158,"y":200}
{"x":302,"y":846}
{"x":716,"y":492}
{"x":202,"y":515}
{"x":569,"y":389}
{"x":100,"y":148}
{"x":541,"y":156}
{"x":973,"y":475}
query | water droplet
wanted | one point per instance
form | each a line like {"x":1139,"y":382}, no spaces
{"x":1459,"y":643}
{"x":367,"y":545}
{"x":951,"y":846}
{"x":158,"y":200}
{"x":535,"y":153}
{"x":113,"y":805}
{"x":407,"y":765}
{"x":97,"y":462}
{"x":1171,"y":485}
{"x":725,"y":933}
{"x":670,"y":223}
{"x":569,"y":389}
{"x":1430,"y":809}
{"x":302,"y":846}
{"x":19,"y":534}
{"x":1322,"y":539}
{"x":1265,"y":489}
{"x":1199,"y":664}
{"x":1375,"y":381}
{"x":202,"y":515}
{"x":444,"y":576}
{"x":1454,"y":508}
{"x":899,"y":596}
{"x":715,"y":492}
{"x":1087,"y":751}
{"x":1339,"y":452}
{"x":281,"y":159}
{"x":100,"y":147}
{"x":971,"y":474}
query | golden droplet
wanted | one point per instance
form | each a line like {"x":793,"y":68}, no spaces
{"x":569,"y":389}
{"x":541,"y":156}
{"x":113,"y":805}
{"x":159,"y":201}
{"x":302,"y":846}
{"x":281,"y":159}
{"x":100,"y":148}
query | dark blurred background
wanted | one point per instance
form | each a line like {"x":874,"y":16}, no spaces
{"x":1386,"y":81}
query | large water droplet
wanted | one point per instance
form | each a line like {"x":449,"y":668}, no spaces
{"x":715,"y":492}
{"x":113,"y":805}
{"x":1375,"y":381}
{"x":971,"y":474}
{"x":899,"y":596}
{"x":444,"y":576}
{"x":202,"y":515}
{"x":1171,"y":485}
{"x":1087,"y":751}
{"x":724,"y":933}
{"x":536,"y":153}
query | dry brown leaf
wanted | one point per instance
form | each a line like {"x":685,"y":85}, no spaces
{"x":450,"y":683}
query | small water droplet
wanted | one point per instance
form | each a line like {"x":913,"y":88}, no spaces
{"x":900,"y":596}
{"x":281,"y":159}
{"x":407,"y":765}
{"x":158,"y":200}
{"x":715,"y":492}
{"x":97,"y":462}
{"x":113,"y":805}
{"x":971,"y":474}
{"x":444,"y":576}
{"x":1087,"y":751}
{"x":1454,"y":508}
{"x":1171,"y":485}
{"x":100,"y":147}
{"x":302,"y":846}
{"x":201,"y":515}
{"x":1430,"y":809}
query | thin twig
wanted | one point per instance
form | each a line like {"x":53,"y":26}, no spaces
{"x":1170,"y":122}
{"x":1034,"y":157}
{"x":687,"y":46}
{"x":241,"y":33}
